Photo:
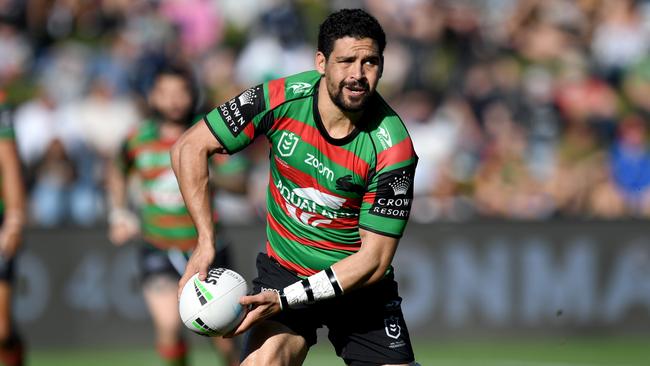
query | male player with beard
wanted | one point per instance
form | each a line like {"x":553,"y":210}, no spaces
{"x":168,"y":234}
{"x":339,"y":196}
{"x":12,"y":219}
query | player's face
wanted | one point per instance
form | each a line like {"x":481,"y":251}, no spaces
{"x":171,"y":98}
{"x":352,"y":72}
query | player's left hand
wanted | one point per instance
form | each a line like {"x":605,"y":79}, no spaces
{"x":262,"y":306}
{"x":199,"y":262}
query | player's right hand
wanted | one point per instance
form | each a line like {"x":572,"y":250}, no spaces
{"x":119,"y":234}
{"x":199,"y":262}
{"x":123,"y":225}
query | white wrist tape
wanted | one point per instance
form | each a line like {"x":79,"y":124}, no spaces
{"x":321,"y":286}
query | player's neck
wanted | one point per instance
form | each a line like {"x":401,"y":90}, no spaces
{"x":337,"y":122}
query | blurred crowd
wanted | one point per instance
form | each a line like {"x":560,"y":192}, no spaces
{"x":519,"y":109}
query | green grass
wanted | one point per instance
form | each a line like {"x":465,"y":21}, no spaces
{"x":545,"y":352}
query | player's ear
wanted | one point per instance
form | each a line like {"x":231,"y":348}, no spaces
{"x":321,"y":60}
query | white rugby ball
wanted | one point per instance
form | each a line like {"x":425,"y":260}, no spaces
{"x":211,"y":308}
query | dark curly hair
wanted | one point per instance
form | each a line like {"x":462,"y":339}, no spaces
{"x":354,"y":23}
{"x":183,"y":71}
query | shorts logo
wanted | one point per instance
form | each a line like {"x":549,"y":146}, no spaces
{"x":384,"y":138}
{"x":238,"y":112}
{"x":393,"y":329}
{"x":394,"y":193}
{"x":287,"y":144}
{"x":299,"y":87}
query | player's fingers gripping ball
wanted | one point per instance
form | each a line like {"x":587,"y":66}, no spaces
{"x":211,"y":307}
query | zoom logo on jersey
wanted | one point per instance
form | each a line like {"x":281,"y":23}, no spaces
{"x":240,"y":111}
{"x":394,"y":193}
{"x":320,"y":168}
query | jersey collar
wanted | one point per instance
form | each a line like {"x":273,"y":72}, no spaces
{"x":321,"y":127}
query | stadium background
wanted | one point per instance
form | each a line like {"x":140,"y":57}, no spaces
{"x":529,"y":238}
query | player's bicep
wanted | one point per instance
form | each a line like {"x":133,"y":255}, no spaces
{"x":381,"y":246}
{"x":201,"y":136}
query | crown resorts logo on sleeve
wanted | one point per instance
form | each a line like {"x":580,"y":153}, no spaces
{"x":247,"y":97}
{"x":238,"y":112}
{"x":400,"y":185}
{"x":394,"y":193}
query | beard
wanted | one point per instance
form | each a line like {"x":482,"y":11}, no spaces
{"x":177,"y":117}
{"x":338,"y":97}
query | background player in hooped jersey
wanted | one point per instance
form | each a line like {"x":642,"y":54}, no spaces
{"x":339,"y":196}
{"x":166,"y":228}
{"x":12,"y":218}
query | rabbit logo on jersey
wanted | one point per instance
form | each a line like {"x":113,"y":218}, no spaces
{"x":303,"y":204}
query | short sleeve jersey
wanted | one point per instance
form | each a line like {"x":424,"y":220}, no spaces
{"x":321,"y":189}
{"x":165,"y":221}
{"x":6,"y":134}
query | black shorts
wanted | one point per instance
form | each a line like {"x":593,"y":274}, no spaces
{"x":6,"y":264}
{"x":171,"y":262}
{"x":7,"y":269}
{"x":366,"y":327}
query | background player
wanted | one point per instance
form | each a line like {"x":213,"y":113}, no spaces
{"x":12,"y":218}
{"x":167,"y":230}
{"x":339,"y":196}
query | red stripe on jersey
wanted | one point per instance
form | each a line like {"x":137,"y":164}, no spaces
{"x":311,"y":217}
{"x":152,"y":173}
{"x":276,"y":93}
{"x":249,"y":131}
{"x":396,"y":154}
{"x":151,"y":146}
{"x":328,"y":245}
{"x":336,"y":154}
{"x":164,"y":243}
{"x":302,"y":179}
{"x":302,"y":271}
{"x":369,"y":197}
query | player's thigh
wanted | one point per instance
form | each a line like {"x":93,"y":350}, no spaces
{"x":367,"y":327}
{"x":271,"y":343}
{"x":160,"y":294}
{"x":6,"y":283}
{"x":5,"y":309}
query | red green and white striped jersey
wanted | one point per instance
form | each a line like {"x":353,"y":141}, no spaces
{"x":6,"y":134}
{"x":321,"y":189}
{"x":165,"y":221}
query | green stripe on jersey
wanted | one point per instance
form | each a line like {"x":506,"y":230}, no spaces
{"x":318,"y":183}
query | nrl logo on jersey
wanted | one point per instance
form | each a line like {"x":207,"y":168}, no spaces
{"x":287,"y":143}
{"x":299,"y":87}
{"x":384,"y":138}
